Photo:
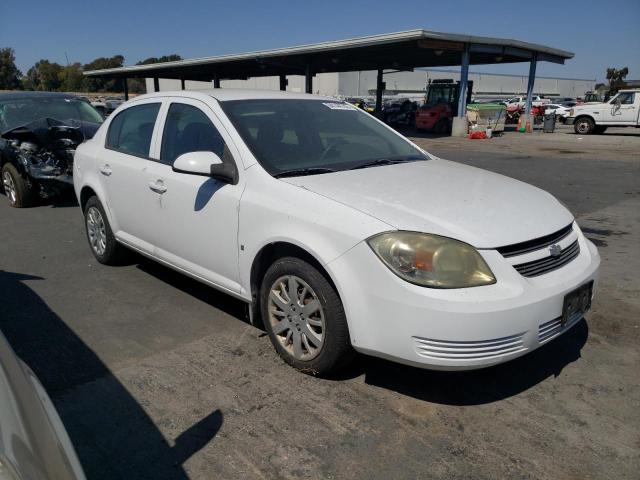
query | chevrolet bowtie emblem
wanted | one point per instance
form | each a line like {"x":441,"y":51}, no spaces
{"x":555,"y":250}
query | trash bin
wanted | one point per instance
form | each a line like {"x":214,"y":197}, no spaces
{"x":549,"y":122}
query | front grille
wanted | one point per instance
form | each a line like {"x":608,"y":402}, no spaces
{"x":535,"y":244}
{"x":478,"y":350}
{"x":548,"y":330}
{"x":554,"y":327}
{"x":548,"y":264}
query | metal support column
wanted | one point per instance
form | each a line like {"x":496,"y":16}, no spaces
{"x":216,"y":82}
{"x":308,"y":80}
{"x":464,"y":81}
{"x":156,"y":84}
{"x":283,"y":82}
{"x":379,"y":89}
{"x":182,"y":84}
{"x":532,"y":79}
{"x":126,"y":88}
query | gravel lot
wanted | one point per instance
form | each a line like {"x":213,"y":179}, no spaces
{"x":156,"y":376}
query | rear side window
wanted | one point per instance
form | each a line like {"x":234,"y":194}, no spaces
{"x":131,"y":130}
{"x":188,"y":129}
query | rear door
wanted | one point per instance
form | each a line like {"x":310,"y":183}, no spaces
{"x":197,"y":215}
{"x":123,"y":170}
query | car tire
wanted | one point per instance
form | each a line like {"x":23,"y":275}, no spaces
{"x":442,"y":126}
{"x":599,"y":129}
{"x":309,"y":331}
{"x":101,"y":240}
{"x":18,"y":192}
{"x":584,"y":126}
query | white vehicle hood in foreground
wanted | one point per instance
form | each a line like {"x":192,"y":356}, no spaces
{"x":481,"y":208}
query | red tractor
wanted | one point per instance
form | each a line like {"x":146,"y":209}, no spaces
{"x":441,"y":105}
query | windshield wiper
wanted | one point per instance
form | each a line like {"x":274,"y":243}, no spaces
{"x":298,"y":172}
{"x":386,"y":161}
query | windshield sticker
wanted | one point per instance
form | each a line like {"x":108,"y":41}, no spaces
{"x":340,"y":106}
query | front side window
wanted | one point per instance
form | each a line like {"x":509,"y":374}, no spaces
{"x":289,"y":135}
{"x":188,"y":129}
{"x":131,"y":130}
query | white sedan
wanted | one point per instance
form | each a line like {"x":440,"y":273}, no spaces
{"x":560,"y":111}
{"x":339,"y":233}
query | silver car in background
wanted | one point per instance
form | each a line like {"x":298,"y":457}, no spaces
{"x":33,"y":442}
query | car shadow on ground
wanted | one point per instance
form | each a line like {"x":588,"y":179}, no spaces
{"x":209,"y":295}
{"x":452,"y":388}
{"x":111,"y":432}
{"x":415,"y":133}
{"x":475,"y":387}
{"x":58,"y":201}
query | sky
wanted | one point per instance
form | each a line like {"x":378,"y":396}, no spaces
{"x":601,"y":36}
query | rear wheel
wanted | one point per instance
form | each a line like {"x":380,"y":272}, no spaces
{"x":99,"y":234}
{"x":304,"y":317}
{"x":584,"y":126}
{"x":442,"y":126}
{"x":15,"y":188}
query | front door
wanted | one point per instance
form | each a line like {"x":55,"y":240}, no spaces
{"x":622,"y":108}
{"x":197,"y":215}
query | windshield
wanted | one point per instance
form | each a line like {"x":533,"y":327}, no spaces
{"x":314,"y":135}
{"x":17,"y":112}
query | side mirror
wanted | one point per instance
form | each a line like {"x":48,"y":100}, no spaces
{"x":207,"y":164}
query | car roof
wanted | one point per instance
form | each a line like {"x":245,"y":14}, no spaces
{"x":226,"y":94}
{"x":18,"y":95}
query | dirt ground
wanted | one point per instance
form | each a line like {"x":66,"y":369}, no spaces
{"x":158,"y":377}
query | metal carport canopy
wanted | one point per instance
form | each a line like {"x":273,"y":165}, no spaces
{"x":398,"y":51}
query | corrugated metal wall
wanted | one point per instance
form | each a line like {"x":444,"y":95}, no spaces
{"x":356,"y":84}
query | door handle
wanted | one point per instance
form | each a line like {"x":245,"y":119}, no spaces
{"x":105,"y":169}
{"x":157,"y":186}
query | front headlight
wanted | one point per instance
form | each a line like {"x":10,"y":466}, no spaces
{"x":431,"y":260}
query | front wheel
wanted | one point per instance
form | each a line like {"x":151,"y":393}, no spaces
{"x":599,"y":129}
{"x":584,"y":126}
{"x":304,"y":317}
{"x":18,"y":192}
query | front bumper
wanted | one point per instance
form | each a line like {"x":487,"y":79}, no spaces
{"x":457,"y":329}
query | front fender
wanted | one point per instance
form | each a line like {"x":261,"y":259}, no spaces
{"x":275,"y":211}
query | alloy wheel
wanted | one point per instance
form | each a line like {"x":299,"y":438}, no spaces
{"x":296,"y":317}
{"x":96,"y":231}
{"x":9,"y":187}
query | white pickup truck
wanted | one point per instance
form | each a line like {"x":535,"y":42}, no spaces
{"x":621,"y":111}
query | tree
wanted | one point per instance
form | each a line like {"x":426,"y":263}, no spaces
{"x":71,"y":78}
{"x":9,"y":73}
{"x":616,"y":79}
{"x":44,"y":75}
{"x":103,"y":84}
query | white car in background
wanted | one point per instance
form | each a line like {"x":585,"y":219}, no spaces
{"x":339,"y":232}
{"x":561,"y":112}
{"x":536,"y":100}
{"x":33,"y":441}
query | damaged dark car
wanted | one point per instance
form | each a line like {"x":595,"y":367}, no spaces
{"x":39,"y":133}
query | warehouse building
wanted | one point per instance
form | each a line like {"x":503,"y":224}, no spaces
{"x":363,"y":84}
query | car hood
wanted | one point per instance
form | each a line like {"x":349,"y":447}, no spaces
{"x":482,"y":208}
